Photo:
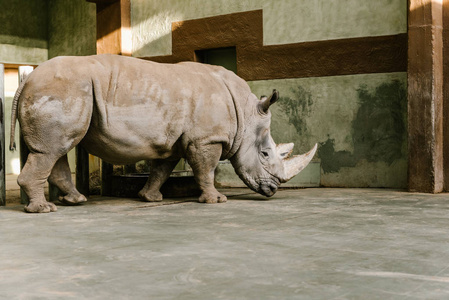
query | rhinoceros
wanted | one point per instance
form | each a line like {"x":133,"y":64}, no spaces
{"x":125,"y":110}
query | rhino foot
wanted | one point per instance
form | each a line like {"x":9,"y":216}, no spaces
{"x":40,"y":207}
{"x":151,"y":197}
{"x":212,"y":198}
{"x":73,"y":199}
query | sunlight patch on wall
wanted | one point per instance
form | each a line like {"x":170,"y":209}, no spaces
{"x":15,"y":165}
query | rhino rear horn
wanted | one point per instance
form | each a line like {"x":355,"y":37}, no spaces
{"x":265,"y":102}
{"x":295,"y":164}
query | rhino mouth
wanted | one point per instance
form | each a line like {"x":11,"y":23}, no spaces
{"x":268,"y":186}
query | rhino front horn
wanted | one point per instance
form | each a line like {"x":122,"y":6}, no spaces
{"x":295,"y":164}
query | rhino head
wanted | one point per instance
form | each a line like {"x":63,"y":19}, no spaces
{"x":260,"y":163}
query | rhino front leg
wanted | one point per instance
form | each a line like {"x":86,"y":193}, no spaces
{"x":159,"y":173}
{"x":204,"y":160}
{"x":61,"y":176}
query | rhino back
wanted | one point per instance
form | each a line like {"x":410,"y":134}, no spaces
{"x":157,"y":110}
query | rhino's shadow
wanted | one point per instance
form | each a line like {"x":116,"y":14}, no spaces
{"x":95,"y":200}
{"x":250,"y":196}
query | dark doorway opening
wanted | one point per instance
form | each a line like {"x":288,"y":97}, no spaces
{"x":225,"y":57}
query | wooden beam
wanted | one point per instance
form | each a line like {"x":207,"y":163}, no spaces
{"x":16,"y":66}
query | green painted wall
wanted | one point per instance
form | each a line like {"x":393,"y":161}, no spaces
{"x":287,"y":21}
{"x":23,"y":31}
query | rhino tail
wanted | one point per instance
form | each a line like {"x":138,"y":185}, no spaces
{"x":15,"y":104}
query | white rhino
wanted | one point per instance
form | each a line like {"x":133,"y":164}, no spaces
{"x":125,"y":109}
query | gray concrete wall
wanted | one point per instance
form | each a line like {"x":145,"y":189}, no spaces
{"x":71,"y":28}
{"x":34,"y":31}
{"x":23,"y":31}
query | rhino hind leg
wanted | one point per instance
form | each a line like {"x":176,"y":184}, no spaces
{"x":50,"y":132}
{"x":32,"y":180}
{"x":159,"y":173}
{"x":204,"y":160}
{"x":61,"y":176}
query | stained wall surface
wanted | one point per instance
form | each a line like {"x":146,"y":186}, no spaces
{"x":359,"y":121}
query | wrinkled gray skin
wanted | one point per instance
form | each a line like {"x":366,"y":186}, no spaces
{"x":124,"y":110}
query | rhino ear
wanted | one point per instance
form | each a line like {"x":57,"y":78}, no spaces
{"x":265,"y":102}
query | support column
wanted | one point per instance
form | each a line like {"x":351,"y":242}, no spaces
{"x":113,"y":37}
{"x":107,"y":171}
{"x":82,"y":170}
{"x":113,"y":27}
{"x":425,"y":95}
{"x":2,"y":139}
{"x":446,"y":91}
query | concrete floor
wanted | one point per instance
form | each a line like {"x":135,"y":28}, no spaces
{"x":301,"y":244}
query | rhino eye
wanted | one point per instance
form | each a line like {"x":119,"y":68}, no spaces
{"x":265,"y":154}
{"x":284,"y":154}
